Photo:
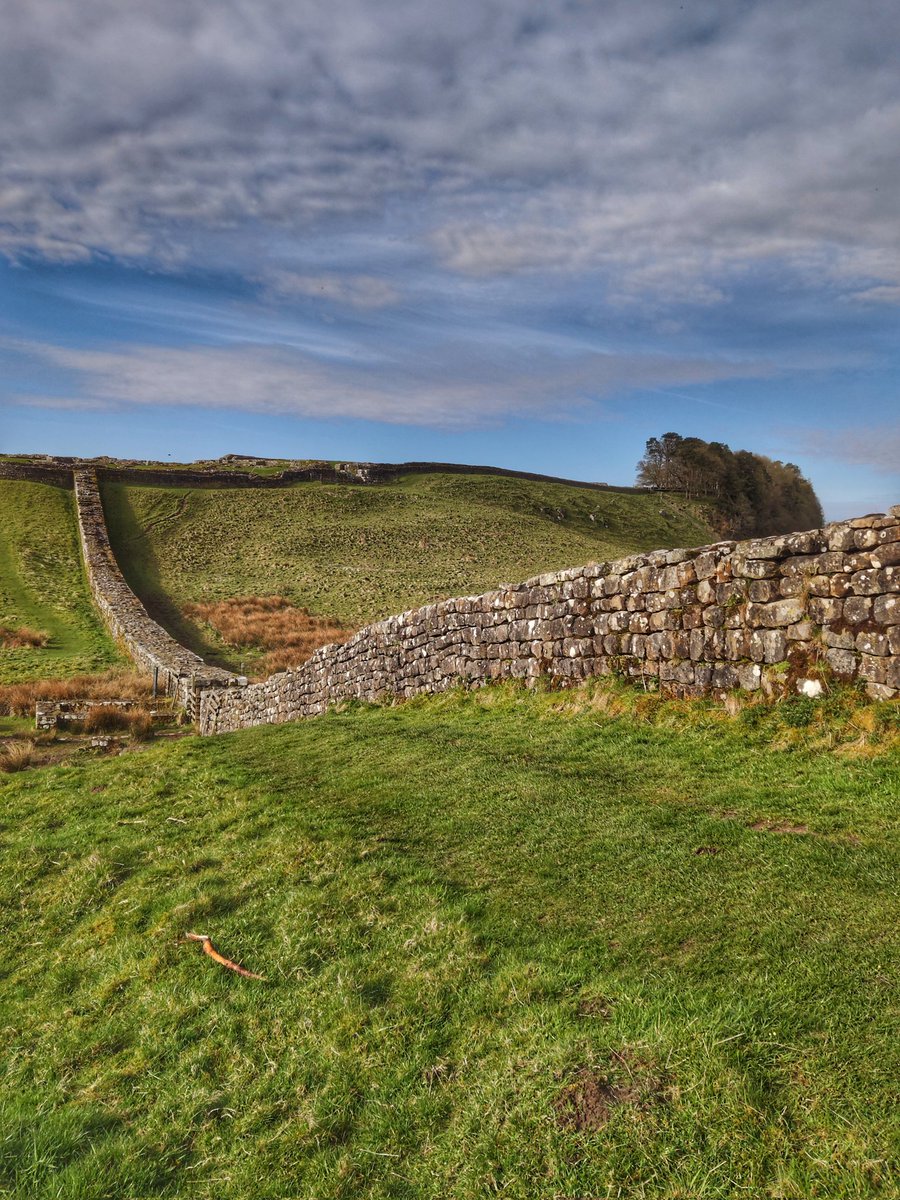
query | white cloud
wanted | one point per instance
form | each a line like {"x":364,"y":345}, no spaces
{"x":666,"y":145}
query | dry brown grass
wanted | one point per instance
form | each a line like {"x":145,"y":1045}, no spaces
{"x":22,"y":637}
{"x":16,"y":755}
{"x":140,"y":726}
{"x":18,"y":699}
{"x":287,"y":634}
{"x":109,"y":718}
{"x":106,"y":718}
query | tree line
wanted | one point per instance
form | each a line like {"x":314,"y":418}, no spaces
{"x":753,"y":496}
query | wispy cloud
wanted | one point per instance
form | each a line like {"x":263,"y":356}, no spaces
{"x":359,"y":291}
{"x":449,"y":388}
{"x":877,"y":447}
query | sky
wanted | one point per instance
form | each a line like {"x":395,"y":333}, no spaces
{"x":528,"y":233}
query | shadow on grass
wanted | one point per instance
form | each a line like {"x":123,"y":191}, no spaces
{"x":139,"y":563}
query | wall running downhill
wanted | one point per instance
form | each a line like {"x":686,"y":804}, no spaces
{"x":765,"y":613}
{"x":180,"y":673}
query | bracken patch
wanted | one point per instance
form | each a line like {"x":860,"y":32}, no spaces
{"x":273,"y":624}
{"x":18,"y":699}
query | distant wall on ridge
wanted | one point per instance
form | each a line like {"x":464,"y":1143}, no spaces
{"x":59,"y":472}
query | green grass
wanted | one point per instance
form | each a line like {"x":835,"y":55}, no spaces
{"x":42,"y":585}
{"x":458,"y":904}
{"x":361,"y":553}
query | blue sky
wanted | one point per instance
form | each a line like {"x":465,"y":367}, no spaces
{"x":527,"y":234}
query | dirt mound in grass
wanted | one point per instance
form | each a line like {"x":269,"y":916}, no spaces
{"x":587,"y":1102}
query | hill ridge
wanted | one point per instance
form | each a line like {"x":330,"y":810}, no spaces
{"x":56,"y":469}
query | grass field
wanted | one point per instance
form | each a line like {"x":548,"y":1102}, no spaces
{"x":361,"y":553}
{"x":42,"y":585}
{"x":513,"y":944}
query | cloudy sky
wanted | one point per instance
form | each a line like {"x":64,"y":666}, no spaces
{"x":524,"y":232}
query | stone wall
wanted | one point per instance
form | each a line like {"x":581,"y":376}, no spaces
{"x":179,"y":672}
{"x":767,"y":613}
{"x":58,"y":471}
{"x":54,"y":475}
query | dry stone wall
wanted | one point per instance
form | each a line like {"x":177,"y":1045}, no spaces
{"x":767,"y":613}
{"x":179,"y":672}
{"x":58,"y":471}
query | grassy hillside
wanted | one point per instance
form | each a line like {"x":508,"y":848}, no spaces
{"x":512,"y":944}
{"x":360,"y":553}
{"x":42,"y":585}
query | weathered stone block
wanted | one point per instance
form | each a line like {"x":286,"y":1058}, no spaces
{"x":779,"y":612}
{"x":730,"y":593}
{"x":759,"y":568}
{"x":885,"y":610}
{"x":775,"y":645}
{"x":839,"y":537}
{"x":760,"y":591}
{"x":705,"y":564}
{"x":749,"y":676}
{"x":843,"y":640}
{"x":880,"y":670}
{"x":844,"y":663}
{"x":714,"y":616}
{"x":706,"y":592}
{"x":725,"y":676}
{"x":802,"y":565}
{"x":857,"y":609}
{"x":876,"y":581}
{"x":737,"y":643}
{"x":692,"y":616}
{"x":873,"y":642}
{"x":819,"y":585}
{"x":887,"y":555}
{"x":792,"y":585}
{"x":822,"y":610}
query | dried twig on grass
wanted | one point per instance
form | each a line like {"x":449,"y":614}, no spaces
{"x":209,"y":948}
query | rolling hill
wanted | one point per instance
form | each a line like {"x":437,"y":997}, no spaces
{"x":359,"y":553}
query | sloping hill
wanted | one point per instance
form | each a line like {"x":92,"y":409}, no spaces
{"x":42,"y":585}
{"x":358,"y":553}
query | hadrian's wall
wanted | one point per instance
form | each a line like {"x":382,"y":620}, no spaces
{"x":756,"y":614}
{"x":58,"y":471}
{"x":179,"y":672}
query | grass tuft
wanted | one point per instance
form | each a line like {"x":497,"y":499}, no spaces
{"x":15,"y":755}
{"x":22,"y":636}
